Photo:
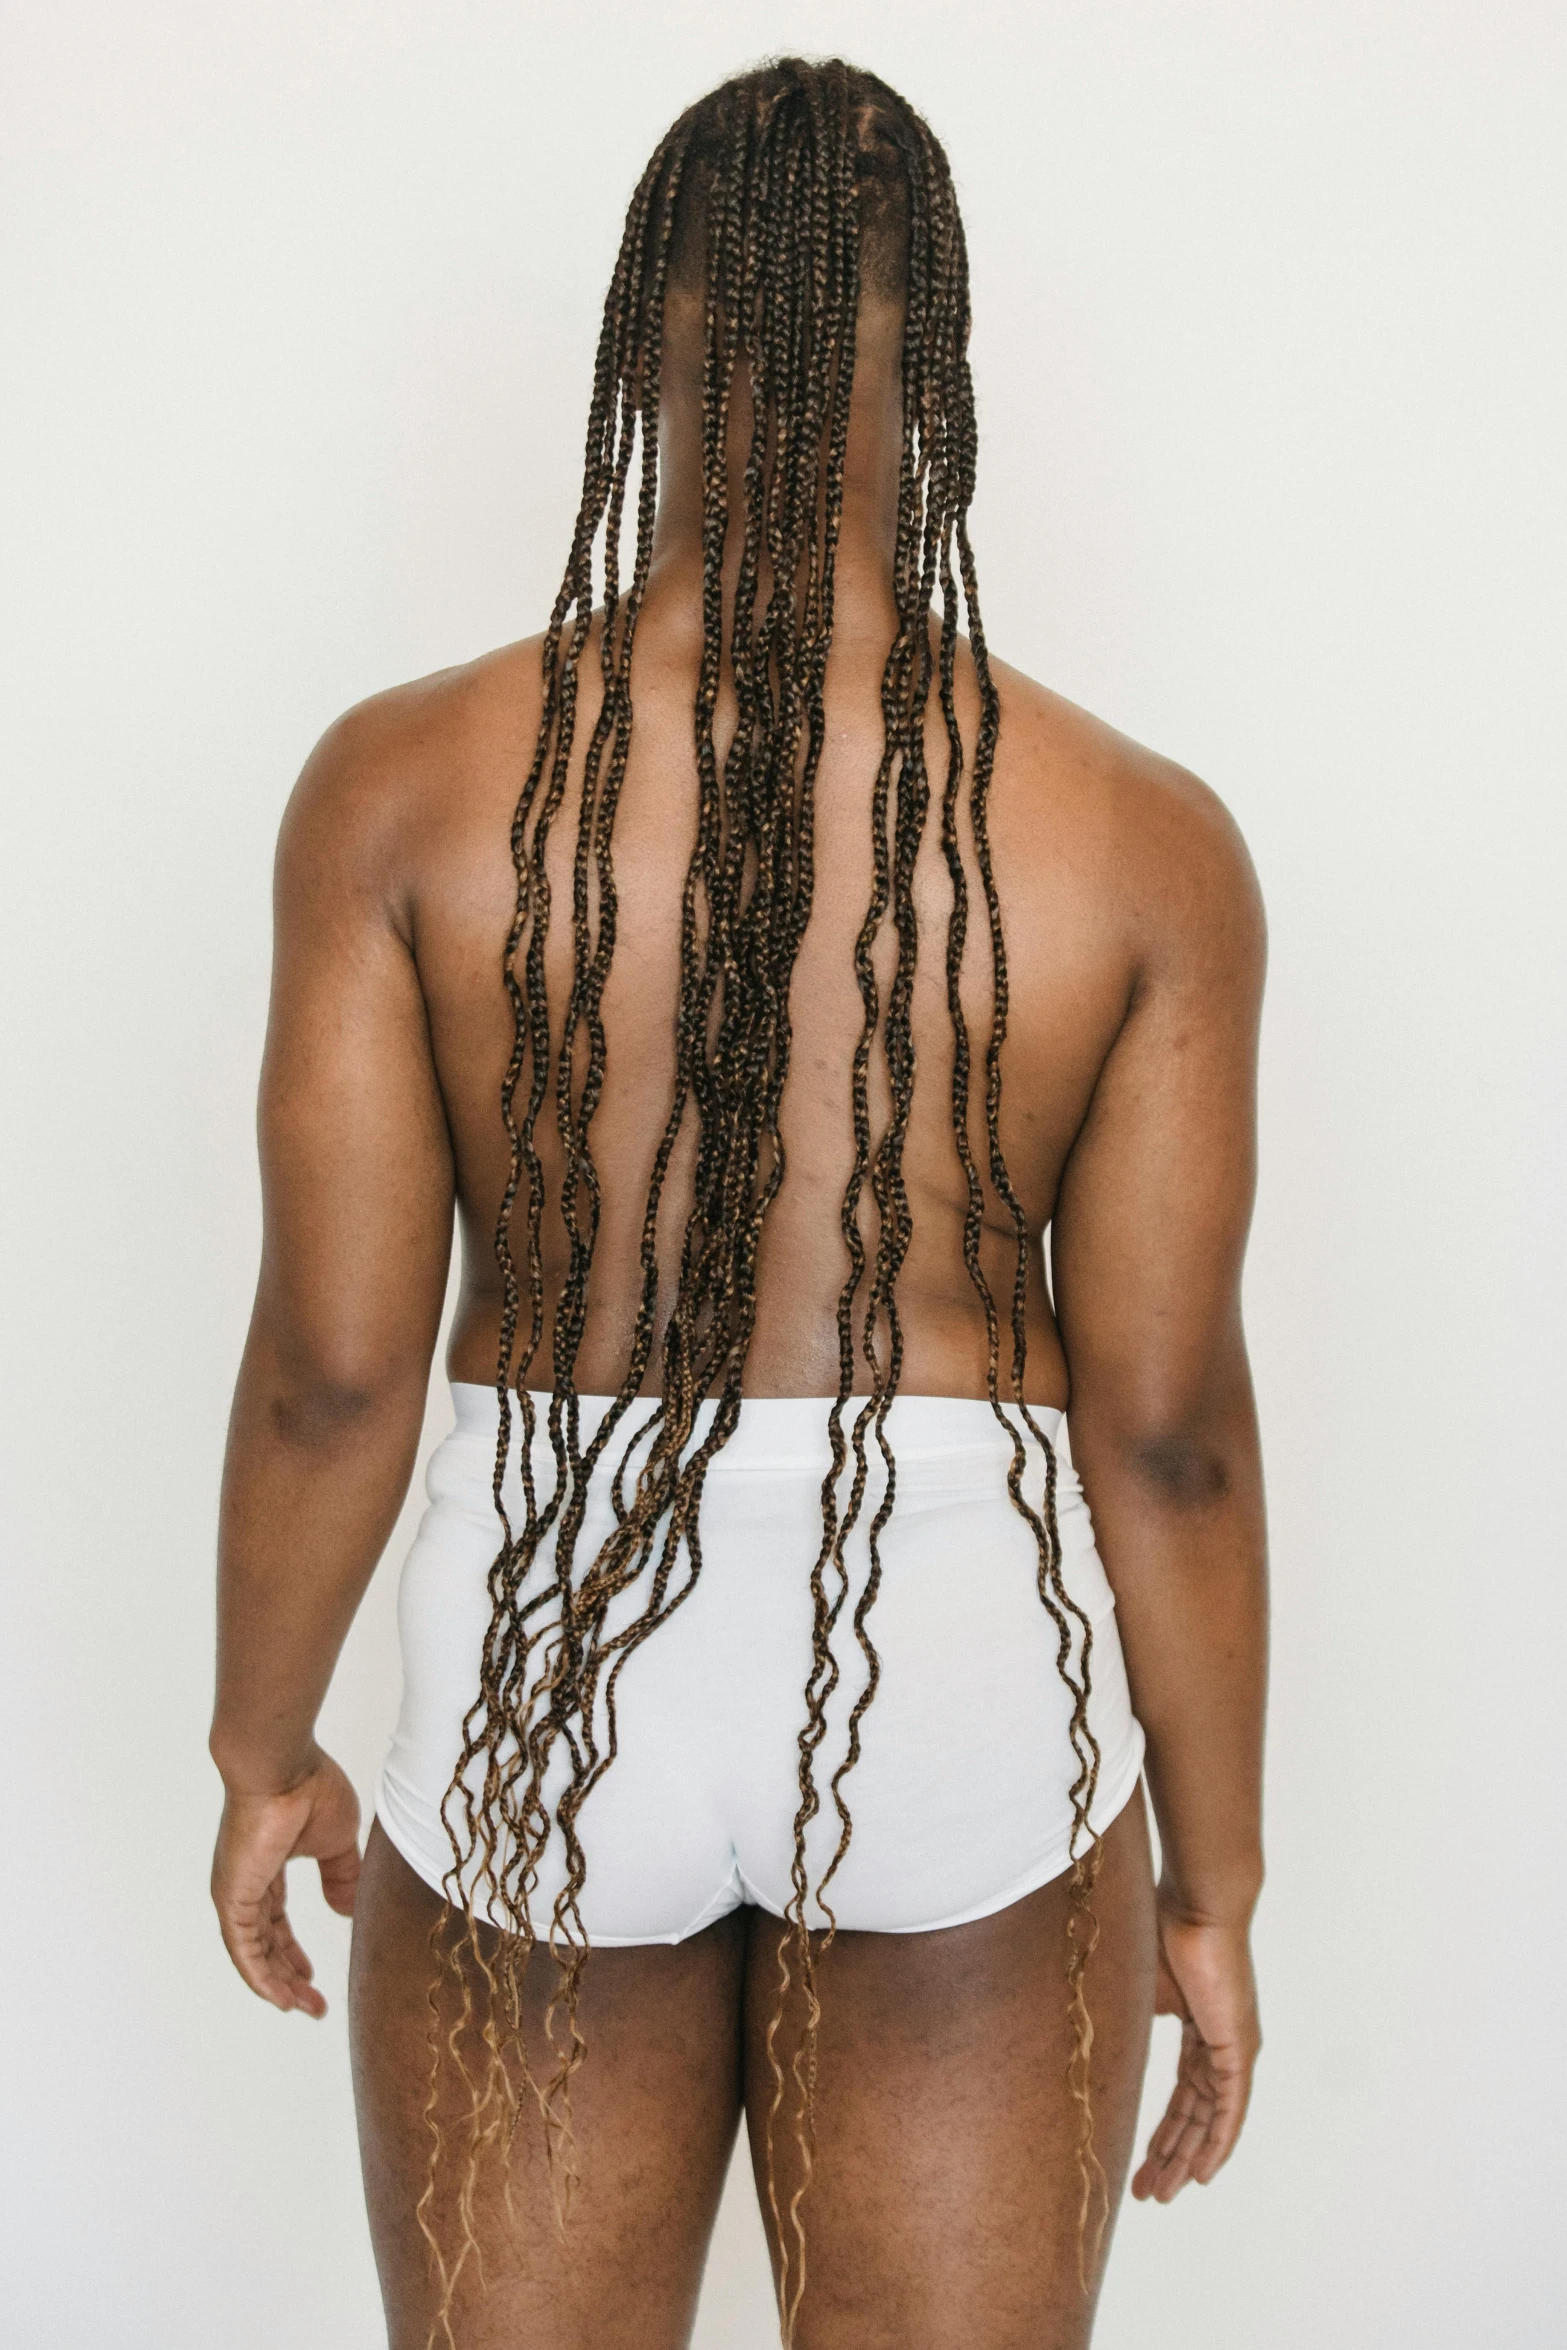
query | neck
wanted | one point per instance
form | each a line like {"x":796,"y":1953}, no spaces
{"x":868,"y":528}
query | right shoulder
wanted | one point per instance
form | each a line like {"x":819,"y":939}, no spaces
{"x":391,"y":767}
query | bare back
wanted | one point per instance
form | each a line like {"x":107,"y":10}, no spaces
{"x":1087,"y":832}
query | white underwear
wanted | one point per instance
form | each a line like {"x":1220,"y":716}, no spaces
{"x":960,"y":1799}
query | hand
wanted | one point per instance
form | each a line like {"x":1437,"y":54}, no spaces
{"x":316,"y":1819}
{"x":1205,"y":1977}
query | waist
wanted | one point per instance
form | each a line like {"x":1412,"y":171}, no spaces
{"x":789,"y":1431}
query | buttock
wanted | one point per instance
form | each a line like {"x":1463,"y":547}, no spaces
{"x":960,"y":1800}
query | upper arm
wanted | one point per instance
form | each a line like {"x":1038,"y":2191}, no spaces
{"x":356,"y":1159}
{"x":1155,"y":1199}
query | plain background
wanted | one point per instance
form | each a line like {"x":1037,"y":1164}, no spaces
{"x":299,"y":306}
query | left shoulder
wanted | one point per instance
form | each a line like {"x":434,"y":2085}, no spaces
{"x":1163,"y":847}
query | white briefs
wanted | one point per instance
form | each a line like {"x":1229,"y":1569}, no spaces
{"x":960,"y":1799}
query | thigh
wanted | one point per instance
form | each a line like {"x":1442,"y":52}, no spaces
{"x":943,"y":2204}
{"x":655,"y":2105}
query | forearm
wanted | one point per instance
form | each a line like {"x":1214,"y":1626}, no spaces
{"x":1181,"y":1531}
{"x":314,"y":1477}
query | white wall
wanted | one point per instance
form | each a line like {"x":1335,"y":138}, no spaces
{"x":299,"y":303}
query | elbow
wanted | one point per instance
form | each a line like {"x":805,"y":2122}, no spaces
{"x":1179,"y":1469}
{"x":1168,"y":1462}
{"x":316,"y":1415}
{"x":1178,"y":1443}
{"x":316,"y":1406}
{"x":311,"y":1387}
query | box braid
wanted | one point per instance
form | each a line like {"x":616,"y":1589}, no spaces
{"x":789,"y":177}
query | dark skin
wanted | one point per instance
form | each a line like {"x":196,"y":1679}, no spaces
{"x":945,"y":2204}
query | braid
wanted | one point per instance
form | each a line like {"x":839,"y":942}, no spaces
{"x":774,"y":169}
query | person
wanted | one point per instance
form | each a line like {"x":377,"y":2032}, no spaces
{"x":760,"y":970}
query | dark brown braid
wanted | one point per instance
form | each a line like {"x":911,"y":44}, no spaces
{"x":780,"y":194}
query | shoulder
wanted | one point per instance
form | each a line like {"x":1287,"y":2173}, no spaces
{"x":1158,"y":847}
{"x":394,"y":765}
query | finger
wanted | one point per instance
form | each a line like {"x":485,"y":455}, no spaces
{"x":1170,"y":2170}
{"x":286,"y":1952}
{"x":289,"y":1987}
{"x":261,"y":1942}
{"x":1162,"y":2146}
{"x":289,"y":1971}
{"x":340,"y":1880}
{"x":1160,"y":2185}
{"x":1178,"y":2166}
{"x":1184,"y":2102}
{"x":1232,"y":2096}
{"x":1165,"y":2175}
{"x":245,"y":1919}
{"x":290,"y":1959}
{"x":1214,"y":2112}
{"x":305,"y":1999}
{"x":289,"y":1964}
{"x":256,"y":1968}
{"x":1159,"y":2179}
{"x":1183,"y":2133}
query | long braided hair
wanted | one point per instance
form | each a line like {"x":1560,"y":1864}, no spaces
{"x":794,"y":186}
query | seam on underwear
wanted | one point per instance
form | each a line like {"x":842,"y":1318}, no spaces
{"x":707,"y":1915}
{"x":1031,"y":1880}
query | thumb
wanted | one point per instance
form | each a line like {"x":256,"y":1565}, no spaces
{"x":1168,"y":1997}
{"x":340,"y":1877}
{"x":330,"y":1837}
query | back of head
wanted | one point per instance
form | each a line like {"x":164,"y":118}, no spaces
{"x":845,"y":127}
{"x":793,"y":212}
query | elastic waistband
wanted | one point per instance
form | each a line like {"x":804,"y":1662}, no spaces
{"x":788,"y":1431}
